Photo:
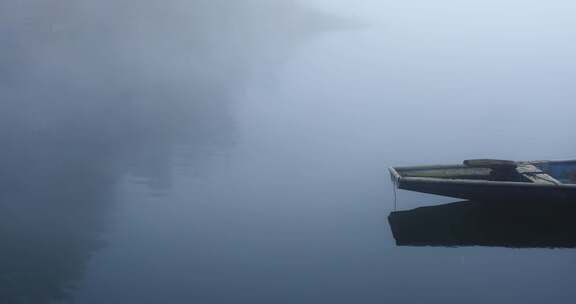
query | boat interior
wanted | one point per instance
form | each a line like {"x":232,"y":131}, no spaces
{"x":540,"y":172}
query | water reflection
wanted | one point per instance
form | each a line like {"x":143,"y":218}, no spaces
{"x":95,"y":92}
{"x":48,"y":233}
{"x":503,"y":224}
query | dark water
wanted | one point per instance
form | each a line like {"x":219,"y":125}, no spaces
{"x":240,"y":154}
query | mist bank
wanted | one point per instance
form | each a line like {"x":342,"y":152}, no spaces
{"x":99,"y":78}
{"x":93,"y":91}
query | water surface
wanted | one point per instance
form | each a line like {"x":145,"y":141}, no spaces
{"x":190,"y":175}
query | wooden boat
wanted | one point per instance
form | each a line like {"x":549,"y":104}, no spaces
{"x":492,"y":180}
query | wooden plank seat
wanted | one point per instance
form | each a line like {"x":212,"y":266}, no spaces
{"x":506,"y":169}
{"x":536,"y":175}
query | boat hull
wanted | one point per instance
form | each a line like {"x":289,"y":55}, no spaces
{"x":488,"y":190}
{"x":477,"y":187}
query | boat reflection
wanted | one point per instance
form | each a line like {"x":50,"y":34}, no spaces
{"x":469,"y":223}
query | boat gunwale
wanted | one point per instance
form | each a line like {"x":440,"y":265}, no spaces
{"x":432,"y":180}
{"x":457,"y":166}
{"x":398,"y":179}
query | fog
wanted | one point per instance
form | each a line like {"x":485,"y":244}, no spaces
{"x":94,"y":91}
{"x":219,"y":151}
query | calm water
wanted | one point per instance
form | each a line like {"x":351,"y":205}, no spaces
{"x":262,"y":177}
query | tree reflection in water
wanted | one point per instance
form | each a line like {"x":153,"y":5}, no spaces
{"x":94,"y":91}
